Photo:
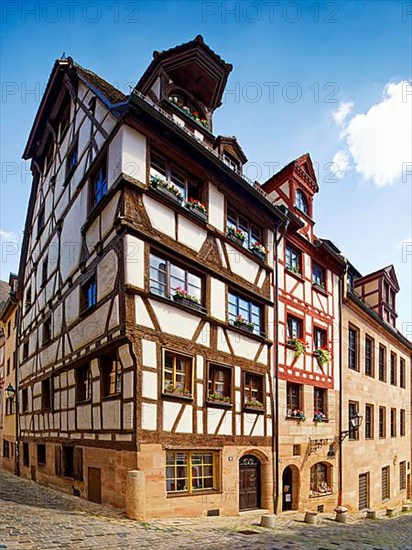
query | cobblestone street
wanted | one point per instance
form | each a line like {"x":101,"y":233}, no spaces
{"x":33,"y":517}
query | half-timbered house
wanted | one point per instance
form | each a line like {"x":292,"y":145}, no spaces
{"x":146,"y":276}
{"x":307,"y":355}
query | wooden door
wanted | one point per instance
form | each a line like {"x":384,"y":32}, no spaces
{"x":363,"y":491}
{"x":94,"y":485}
{"x":287,"y":489}
{"x":249,"y":483}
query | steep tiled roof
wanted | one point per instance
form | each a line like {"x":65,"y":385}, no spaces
{"x":113,"y":94}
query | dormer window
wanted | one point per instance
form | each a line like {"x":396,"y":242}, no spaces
{"x":230,"y":161}
{"x":301,"y":202}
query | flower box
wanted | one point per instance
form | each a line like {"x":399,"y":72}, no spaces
{"x":166,"y":189}
{"x":237,"y":235}
{"x":178,"y":392}
{"x":187,"y":302}
{"x":320,"y":417}
{"x":244,"y":326}
{"x":221,"y":401}
{"x":297,"y":415}
{"x":261,"y":255}
{"x":254,"y":407}
{"x":196,"y":211}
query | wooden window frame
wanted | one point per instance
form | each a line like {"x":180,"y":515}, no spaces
{"x":85,"y":306}
{"x":185,"y":391}
{"x":106,"y":381}
{"x":290,"y":320}
{"x":353,"y":406}
{"x":41,"y":220}
{"x":369,"y":356}
{"x":369,"y":424}
{"x":226,"y":398}
{"x":94,"y":180}
{"x":84,"y":383}
{"x":302,"y":200}
{"x":393,"y":367}
{"x":402,"y":475}
{"x":47,"y":334}
{"x":353,"y":330}
{"x":189,"y":466}
{"x":393,"y":422}
{"x":290,"y":386}
{"x":402,"y":422}
{"x":71,"y":168}
{"x":322,"y":271}
{"x":402,"y":373}
{"x":326,"y":475}
{"x":26,"y":454}
{"x":292,"y":253}
{"x":324,"y":337}
{"x":323,"y":401}
{"x":47,"y":394}
{"x":168,"y":277}
{"x":25,"y":400}
{"x":231,"y":317}
{"x":383,"y":363}
{"x":382,"y":422}
{"x":235,"y":218}
{"x":250,"y":394}
{"x":173,"y":169}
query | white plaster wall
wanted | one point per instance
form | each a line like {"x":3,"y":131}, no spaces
{"x":161,"y":217}
{"x":216,"y":208}
{"x":175,"y":321}
{"x":149,"y":354}
{"x":241,"y":264}
{"x":149,"y":388}
{"x":217,"y":299}
{"x":134,"y":261}
{"x":190,"y":233}
{"x":149,"y":416}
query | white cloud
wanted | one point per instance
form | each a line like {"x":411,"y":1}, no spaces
{"x":341,"y":163}
{"x":8,"y":236}
{"x":380,"y":141}
{"x":342,"y":112}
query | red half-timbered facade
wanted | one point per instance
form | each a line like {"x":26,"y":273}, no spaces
{"x":307,"y":363}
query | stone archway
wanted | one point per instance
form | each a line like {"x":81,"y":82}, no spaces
{"x":290,"y":488}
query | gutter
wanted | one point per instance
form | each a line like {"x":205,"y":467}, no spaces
{"x":16,"y":382}
{"x":340,"y":459}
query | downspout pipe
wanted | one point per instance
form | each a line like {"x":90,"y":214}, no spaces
{"x":342,"y":280}
{"x":16,"y":396}
{"x":275,"y":408}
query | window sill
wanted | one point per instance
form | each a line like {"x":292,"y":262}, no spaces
{"x":318,"y":495}
{"x":254,"y":255}
{"x":193,"y":493}
{"x":319,"y":288}
{"x":297,"y":276}
{"x":176,"y":395}
{"x":325,"y":421}
{"x":199,"y":310}
{"x":218,"y":404}
{"x":84,"y":401}
{"x":88,"y":310}
{"x":261,"y":336}
{"x":111,"y":396}
{"x":255,"y":410}
{"x":295,"y":418}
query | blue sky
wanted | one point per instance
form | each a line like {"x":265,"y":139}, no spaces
{"x":325,"y":78}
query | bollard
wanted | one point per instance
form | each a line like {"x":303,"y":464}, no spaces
{"x":406,"y":507}
{"x":390,"y":512}
{"x":341,"y":514}
{"x":135,"y":495}
{"x":311,"y":518}
{"x":371,"y":514}
{"x":268,"y":520}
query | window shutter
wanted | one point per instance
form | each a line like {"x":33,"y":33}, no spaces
{"x":78,"y":463}
{"x":58,"y":460}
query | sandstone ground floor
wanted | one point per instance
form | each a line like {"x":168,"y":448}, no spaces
{"x":37,"y":518}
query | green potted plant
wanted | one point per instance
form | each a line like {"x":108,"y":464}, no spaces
{"x":242,"y":323}
{"x":259,"y":250}
{"x":219,"y":399}
{"x":299,"y":345}
{"x":183,"y":297}
{"x":178,"y":391}
{"x":166,"y":188}
{"x":254,"y":405}
{"x":236,"y":234}
{"x":197,"y":208}
{"x":323,"y":356}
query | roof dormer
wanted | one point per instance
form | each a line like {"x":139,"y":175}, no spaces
{"x":191,"y":77}
{"x":232,"y":153}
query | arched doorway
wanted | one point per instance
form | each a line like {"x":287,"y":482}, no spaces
{"x":290,"y":488}
{"x":249,"y":483}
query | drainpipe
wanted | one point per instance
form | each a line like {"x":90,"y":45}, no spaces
{"x":16,"y":395}
{"x":340,"y":460}
{"x":275,"y":401}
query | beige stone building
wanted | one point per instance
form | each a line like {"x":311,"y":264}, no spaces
{"x":9,"y":323}
{"x":376,"y":383}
